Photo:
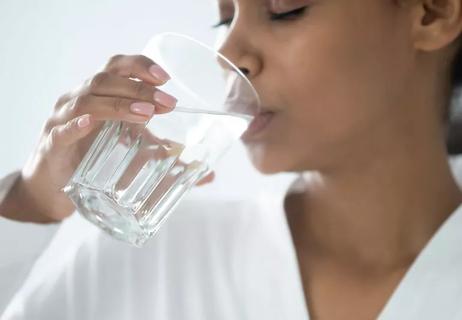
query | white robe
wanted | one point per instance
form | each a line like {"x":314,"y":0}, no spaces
{"x":220,"y":260}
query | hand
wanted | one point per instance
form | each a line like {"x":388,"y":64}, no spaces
{"x":111,"y":94}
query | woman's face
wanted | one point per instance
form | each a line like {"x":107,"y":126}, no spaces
{"x":336,"y":75}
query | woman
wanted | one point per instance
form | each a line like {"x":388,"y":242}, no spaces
{"x":360,"y":92}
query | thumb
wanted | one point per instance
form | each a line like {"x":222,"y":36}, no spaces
{"x":69,"y":133}
{"x":207,"y":179}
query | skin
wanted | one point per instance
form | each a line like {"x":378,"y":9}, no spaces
{"x":359,"y":89}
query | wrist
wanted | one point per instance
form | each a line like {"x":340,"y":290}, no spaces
{"x":20,"y":205}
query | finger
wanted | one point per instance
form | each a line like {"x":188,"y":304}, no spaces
{"x":110,"y":108}
{"x":207,"y":179}
{"x":69,"y":133}
{"x":106,"y":84}
{"x":137,"y":67}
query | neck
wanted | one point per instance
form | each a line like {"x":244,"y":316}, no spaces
{"x":378,"y":213}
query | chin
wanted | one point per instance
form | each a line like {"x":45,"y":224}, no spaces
{"x":268,"y":161}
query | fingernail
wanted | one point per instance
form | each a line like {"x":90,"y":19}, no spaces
{"x":142,"y":108}
{"x":164,"y":99}
{"x":159,"y":73}
{"x":84,"y":121}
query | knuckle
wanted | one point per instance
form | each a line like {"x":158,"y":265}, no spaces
{"x":98,"y":80}
{"x":62,"y":100}
{"x":49,"y":125}
{"x":80,"y":103}
{"x":118,"y":104}
{"x":69,"y":125}
{"x":140,"y":59}
{"x":139,"y":89}
{"x":53,"y":137}
{"x":114,"y":60}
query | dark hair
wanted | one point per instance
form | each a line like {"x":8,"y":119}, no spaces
{"x":453,"y":114}
{"x":457,"y":70}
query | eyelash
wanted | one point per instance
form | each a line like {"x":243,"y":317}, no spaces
{"x":290,"y":15}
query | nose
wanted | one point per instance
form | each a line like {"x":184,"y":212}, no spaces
{"x":238,"y":48}
{"x":245,"y":71}
{"x":241,"y":97}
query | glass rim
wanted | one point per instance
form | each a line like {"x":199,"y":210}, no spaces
{"x":212,"y":50}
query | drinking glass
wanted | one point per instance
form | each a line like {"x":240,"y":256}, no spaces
{"x":134,"y":175}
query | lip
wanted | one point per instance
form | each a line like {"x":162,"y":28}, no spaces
{"x":259,"y":125}
{"x":262,"y":110}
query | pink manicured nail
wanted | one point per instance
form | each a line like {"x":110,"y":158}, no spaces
{"x":164,"y":99}
{"x":83,"y":121}
{"x":159,"y":73}
{"x":142,"y":108}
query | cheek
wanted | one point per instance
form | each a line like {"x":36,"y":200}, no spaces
{"x":338,"y":86}
{"x":334,"y":106}
{"x":351,"y":66}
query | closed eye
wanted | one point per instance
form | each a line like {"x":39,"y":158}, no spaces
{"x":225,"y":22}
{"x":290,"y":15}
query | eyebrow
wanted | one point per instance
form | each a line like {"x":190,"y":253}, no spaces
{"x":225,"y":7}
{"x":280,"y":5}
{"x":225,"y":4}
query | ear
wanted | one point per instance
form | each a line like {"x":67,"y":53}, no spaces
{"x":435,"y":23}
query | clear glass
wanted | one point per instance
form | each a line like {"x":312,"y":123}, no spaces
{"x":134,"y":175}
